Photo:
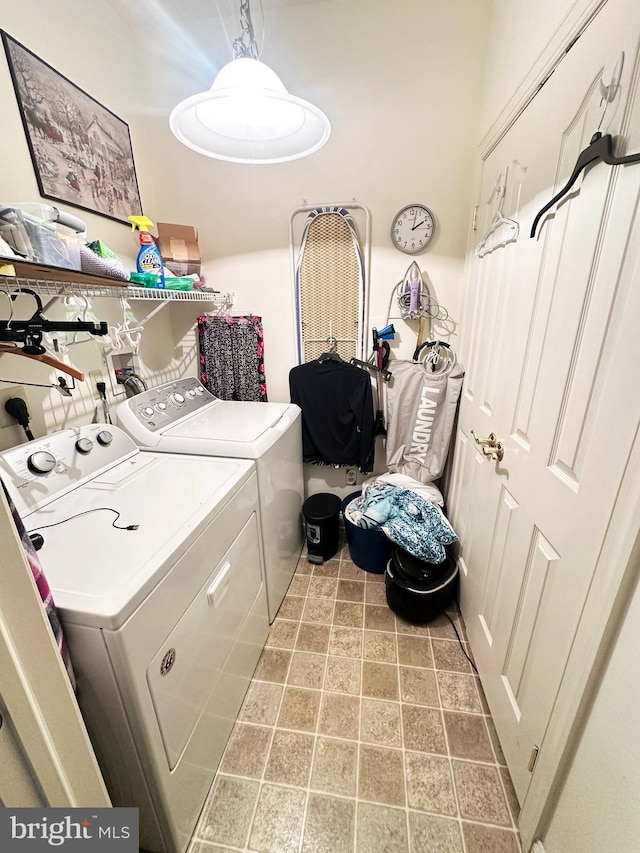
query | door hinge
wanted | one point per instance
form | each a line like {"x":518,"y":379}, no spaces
{"x":533,"y":758}
{"x":474,"y":224}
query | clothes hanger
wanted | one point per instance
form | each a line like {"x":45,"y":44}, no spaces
{"x":439,"y":355}
{"x":483,"y":248}
{"x":600,"y":148}
{"x":332,"y":353}
{"x":63,"y":367}
{"x":29,"y":332}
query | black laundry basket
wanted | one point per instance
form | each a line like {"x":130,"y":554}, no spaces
{"x":418,"y":591}
{"x":322,"y":522}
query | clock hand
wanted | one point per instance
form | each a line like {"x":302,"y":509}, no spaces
{"x":418,"y":225}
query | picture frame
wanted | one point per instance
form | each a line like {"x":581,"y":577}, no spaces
{"x":81,"y":151}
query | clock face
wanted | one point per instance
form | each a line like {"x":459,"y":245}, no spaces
{"x":412,"y":228}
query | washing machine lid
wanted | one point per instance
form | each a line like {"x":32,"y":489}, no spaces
{"x":99,"y":574}
{"x":230,"y":421}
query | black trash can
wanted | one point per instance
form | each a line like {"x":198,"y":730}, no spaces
{"x":418,"y":591}
{"x":322,"y":521}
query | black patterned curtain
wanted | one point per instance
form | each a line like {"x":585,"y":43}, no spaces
{"x":232,"y":357}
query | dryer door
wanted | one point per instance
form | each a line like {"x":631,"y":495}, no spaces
{"x":197,"y":675}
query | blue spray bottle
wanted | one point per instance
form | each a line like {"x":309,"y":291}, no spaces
{"x":149,"y":258}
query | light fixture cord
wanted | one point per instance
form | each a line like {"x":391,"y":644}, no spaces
{"x":242,"y":48}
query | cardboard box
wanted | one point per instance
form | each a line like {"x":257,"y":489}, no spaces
{"x":178,"y":246}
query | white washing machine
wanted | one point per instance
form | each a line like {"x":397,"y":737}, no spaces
{"x":183,"y":417}
{"x":165,"y":623}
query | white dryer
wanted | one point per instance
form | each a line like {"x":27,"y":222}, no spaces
{"x":165,"y":623}
{"x":183,"y":417}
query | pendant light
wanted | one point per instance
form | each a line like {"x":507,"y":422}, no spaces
{"x":248,"y":116}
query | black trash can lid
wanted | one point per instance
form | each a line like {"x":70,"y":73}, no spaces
{"x":410,"y":567}
{"x":320,"y":506}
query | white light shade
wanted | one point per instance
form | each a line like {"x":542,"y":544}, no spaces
{"x":249,"y":117}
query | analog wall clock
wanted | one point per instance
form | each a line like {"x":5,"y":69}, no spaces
{"x":412,"y":228}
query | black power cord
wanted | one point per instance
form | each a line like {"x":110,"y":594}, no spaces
{"x":86,"y":512}
{"x":17,"y":408}
{"x":464,"y":651}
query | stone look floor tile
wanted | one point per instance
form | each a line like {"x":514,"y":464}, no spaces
{"x":299,"y":585}
{"x":458,"y":692}
{"x":299,"y":709}
{"x":335,"y":766}
{"x":350,"y":590}
{"x":381,"y":830}
{"x":375,"y":594}
{"x":419,"y":686}
{"x":480,"y":793}
{"x":345,"y":642}
{"x":379,"y":618}
{"x":313,"y":638}
{"x":329,"y":825}
{"x":348,"y":613}
{"x":273,"y":665}
{"x":343,"y":675}
{"x":291,"y":607}
{"x":283,"y":634}
{"x":289,"y":759}
{"x":431,"y":834}
{"x":323,"y":587}
{"x":307,"y":670}
{"x":318,"y":610}
{"x":381,"y":776}
{"x":467,"y":736}
{"x":328,"y":569}
{"x":429,"y":784}
{"x":261,"y":703}
{"x":380,"y":722}
{"x":277,"y":825}
{"x":340,"y":716}
{"x":380,"y":646}
{"x":448,"y":655}
{"x":423,"y":730}
{"x":342,"y":741}
{"x":246,"y":750}
{"x":414,"y":651}
{"x":379,"y":680}
{"x":227,"y":814}
{"x":479,"y":839}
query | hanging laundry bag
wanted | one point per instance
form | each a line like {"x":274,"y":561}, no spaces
{"x":421,"y":409}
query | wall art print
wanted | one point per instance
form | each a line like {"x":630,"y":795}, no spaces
{"x":81,"y":151}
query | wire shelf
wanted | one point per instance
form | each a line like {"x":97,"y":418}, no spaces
{"x":57,"y":282}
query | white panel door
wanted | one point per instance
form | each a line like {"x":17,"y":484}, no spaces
{"x":551,"y":359}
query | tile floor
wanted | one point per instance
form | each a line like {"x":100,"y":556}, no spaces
{"x":359,"y":732}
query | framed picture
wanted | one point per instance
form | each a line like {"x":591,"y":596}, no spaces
{"x":81,"y":151}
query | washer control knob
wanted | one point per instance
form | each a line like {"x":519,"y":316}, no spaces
{"x":84,"y":445}
{"x":147,"y":412}
{"x":161,"y":407}
{"x":104,"y":438}
{"x":191,"y":393}
{"x":41,"y":462}
{"x":178,"y":399}
{"x":199,"y":389}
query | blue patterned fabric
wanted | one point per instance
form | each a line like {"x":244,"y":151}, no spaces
{"x":417,"y":526}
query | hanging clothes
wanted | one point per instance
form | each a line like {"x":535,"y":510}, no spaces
{"x":421,"y":408}
{"x":43,"y":587}
{"x":337,"y":412}
{"x":232,"y":357}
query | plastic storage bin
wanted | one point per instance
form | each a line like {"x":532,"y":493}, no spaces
{"x":418,"y":591}
{"x":322,"y":521}
{"x":369,"y":549}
